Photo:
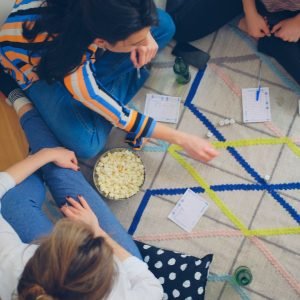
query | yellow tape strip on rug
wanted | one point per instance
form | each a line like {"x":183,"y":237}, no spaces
{"x":257,"y":142}
{"x":174,"y":149}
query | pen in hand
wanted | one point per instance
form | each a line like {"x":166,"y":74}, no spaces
{"x":138,"y":71}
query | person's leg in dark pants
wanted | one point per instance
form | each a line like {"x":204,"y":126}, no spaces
{"x":22,"y":208}
{"x":286,"y":53}
{"x":195,"y":19}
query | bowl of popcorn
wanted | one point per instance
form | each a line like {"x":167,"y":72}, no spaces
{"x":119,"y":174}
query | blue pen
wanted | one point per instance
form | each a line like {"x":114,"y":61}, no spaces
{"x":258,"y":93}
{"x":259,"y":86}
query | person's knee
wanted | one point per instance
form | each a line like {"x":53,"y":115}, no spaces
{"x":88,"y":150}
{"x":29,"y":194}
{"x":166,"y":28}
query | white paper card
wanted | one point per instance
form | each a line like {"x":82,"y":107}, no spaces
{"x":255,"y":111}
{"x":162,"y":108}
{"x":188,"y":210}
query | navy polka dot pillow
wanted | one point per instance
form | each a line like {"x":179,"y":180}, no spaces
{"x":182,"y":276}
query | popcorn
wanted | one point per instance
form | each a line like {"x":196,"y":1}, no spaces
{"x":119,"y":174}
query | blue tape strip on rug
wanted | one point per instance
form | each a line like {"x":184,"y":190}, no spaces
{"x":237,"y":187}
{"x":175,"y":191}
{"x":286,"y":186}
{"x":216,"y":188}
{"x":255,"y":187}
{"x":227,"y":187}
{"x":243,"y":163}
{"x":194,"y":87}
{"x":263,"y":185}
{"x":285,"y":205}
{"x":293,"y":213}
{"x":139,"y":212}
{"x":206,"y":122}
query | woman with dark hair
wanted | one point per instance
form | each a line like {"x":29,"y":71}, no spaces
{"x":93,"y":51}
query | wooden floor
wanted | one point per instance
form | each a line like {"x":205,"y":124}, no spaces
{"x":13,"y":145}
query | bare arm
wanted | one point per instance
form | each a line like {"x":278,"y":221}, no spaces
{"x":195,"y":146}
{"x":60,"y":156}
{"x":249,"y":7}
{"x":256,"y":25}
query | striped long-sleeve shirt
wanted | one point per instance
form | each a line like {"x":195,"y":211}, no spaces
{"x":15,"y":53}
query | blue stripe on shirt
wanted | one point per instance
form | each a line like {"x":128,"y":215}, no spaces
{"x":150,"y":130}
{"x":22,"y":18}
{"x":95,"y":96}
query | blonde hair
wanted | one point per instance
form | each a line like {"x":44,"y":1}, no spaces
{"x":70,"y":264}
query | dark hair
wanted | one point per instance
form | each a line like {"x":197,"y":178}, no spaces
{"x":72,"y":25}
{"x":70,"y":264}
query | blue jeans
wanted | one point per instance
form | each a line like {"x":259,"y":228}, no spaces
{"x":22,"y":205}
{"x":79,"y":128}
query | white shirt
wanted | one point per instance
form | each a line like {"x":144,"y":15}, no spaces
{"x":6,"y":183}
{"x":133,"y":282}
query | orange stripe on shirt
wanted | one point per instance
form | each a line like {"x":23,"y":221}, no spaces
{"x":68,"y":84}
{"x":26,"y":68}
{"x":88,"y":98}
{"x":20,"y":39}
{"x":18,"y":25}
{"x":142,"y":128}
{"x":80,"y":83}
{"x":15,"y":25}
{"x":132,"y":121}
{"x":33,"y":61}
{"x":12,"y":55}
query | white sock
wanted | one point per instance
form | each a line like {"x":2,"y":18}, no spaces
{"x":17,"y":99}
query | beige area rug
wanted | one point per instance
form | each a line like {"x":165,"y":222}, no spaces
{"x":249,"y":221}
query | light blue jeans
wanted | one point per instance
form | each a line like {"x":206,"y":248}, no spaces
{"x":74,"y":125}
{"x":22,"y":205}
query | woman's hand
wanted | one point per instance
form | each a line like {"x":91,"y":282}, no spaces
{"x":144,"y":52}
{"x":256,"y":25}
{"x":193,"y":145}
{"x":288,"y":30}
{"x":60,"y":156}
{"x":199,"y":148}
{"x":63,"y":158}
{"x":81,"y":211}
